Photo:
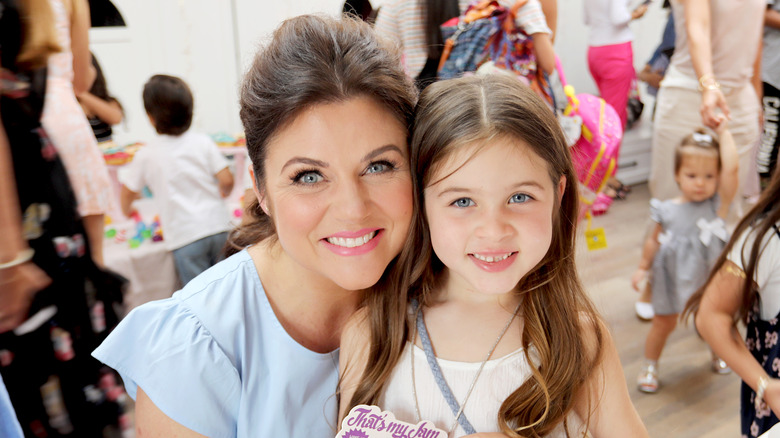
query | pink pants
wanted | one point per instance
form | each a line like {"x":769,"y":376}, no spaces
{"x":612,"y":67}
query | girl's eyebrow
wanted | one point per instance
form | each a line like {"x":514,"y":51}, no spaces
{"x":452,"y":190}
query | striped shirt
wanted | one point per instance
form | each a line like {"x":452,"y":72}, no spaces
{"x":403,"y":21}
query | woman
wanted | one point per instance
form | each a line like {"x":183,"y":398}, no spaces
{"x":250,"y":347}
{"x":54,"y":306}
{"x":610,"y":51}
{"x":713,"y":75}
{"x":70,"y":74}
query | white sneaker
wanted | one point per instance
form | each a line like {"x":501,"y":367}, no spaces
{"x":644,"y":311}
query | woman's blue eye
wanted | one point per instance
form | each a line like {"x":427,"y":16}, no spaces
{"x":463,"y":202}
{"x":379,"y":167}
{"x":519,"y":198}
{"x":307,"y":178}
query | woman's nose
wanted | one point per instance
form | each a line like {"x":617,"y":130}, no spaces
{"x":352,"y":200}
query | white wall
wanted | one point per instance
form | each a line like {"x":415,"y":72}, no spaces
{"x":209,"y":43}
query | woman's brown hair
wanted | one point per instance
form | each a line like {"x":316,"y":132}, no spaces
{"x":40,"y":34}
{"x":313,"y":60}
{"x":760,"y":220}
{"x":557,"y":313}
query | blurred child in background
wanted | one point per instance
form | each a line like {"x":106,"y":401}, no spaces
{"x":688,"y":236}
{"x":187,"y":175}
{"x":102,"y":109}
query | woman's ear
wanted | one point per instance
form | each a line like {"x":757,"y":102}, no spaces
{"x":261,"y":199}
{"x":561,"y":187}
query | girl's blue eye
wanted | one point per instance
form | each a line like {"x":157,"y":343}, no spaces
{"x":519,"y":198}
{"x":308,"y":177}
{"x":463,"y":202}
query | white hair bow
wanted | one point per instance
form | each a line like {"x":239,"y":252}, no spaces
{"x":714,"y":227}
{"x":702,"y":138}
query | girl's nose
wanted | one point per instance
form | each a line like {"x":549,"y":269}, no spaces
{"x":494,"y":224}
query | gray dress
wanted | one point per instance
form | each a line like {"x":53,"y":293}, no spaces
{"x":692,"y":239}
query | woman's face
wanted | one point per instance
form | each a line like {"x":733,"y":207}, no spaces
{"x":339,"y":191}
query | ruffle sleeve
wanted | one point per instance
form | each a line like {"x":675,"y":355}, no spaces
{"x":164,"y":348}
{"x":657,"y":211}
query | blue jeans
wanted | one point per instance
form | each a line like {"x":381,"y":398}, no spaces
{"x":196,"y":257}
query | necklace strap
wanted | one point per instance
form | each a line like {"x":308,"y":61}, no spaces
{"x":460,"y":416}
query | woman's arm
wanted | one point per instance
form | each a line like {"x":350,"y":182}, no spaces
{"x":151,"y":422}
{"x":109,"y":111}
{"x":697,"y":27}
{"x":714,"y":321}
{"x":83,"y":71}
{"x":729,"y":170}
{"x":18,"y":283}
{"x":604,"y":399}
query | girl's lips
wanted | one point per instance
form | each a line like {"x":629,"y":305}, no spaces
{"x":500,"y":261}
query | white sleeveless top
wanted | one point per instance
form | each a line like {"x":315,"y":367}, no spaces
{"x":498,"y":380}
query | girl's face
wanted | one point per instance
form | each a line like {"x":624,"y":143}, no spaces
{"x":490,"y":217}
{"x":339,"y":191}
{"x":697,"y":177}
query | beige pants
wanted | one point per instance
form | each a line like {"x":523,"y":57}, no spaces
{"x":677,"y":115}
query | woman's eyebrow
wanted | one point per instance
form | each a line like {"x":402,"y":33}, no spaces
{"x":303,"y":160}
{"x":381,"y":150}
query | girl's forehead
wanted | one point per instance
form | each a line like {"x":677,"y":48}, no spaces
{"x":467,"y":157}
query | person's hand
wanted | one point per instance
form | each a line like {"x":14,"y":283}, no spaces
{"x":712,"y":99}
{"x":652,"y":77}
{"x":638,"y":278}
{"x":639,"y":11}
{"x":772,"y":395}
{"x":18,"y":285}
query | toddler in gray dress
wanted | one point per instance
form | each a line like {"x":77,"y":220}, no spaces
{"x":687,"y":238}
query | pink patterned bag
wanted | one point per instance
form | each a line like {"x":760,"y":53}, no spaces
{"x":595,"y":153}
{"x":595,"y":145}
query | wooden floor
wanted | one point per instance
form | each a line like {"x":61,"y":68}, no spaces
{"x":692,"y":400}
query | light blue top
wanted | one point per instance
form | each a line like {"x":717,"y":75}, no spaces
{"x":215,"y":359}
{"x":9,"y":425}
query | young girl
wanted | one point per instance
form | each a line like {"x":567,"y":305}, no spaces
{"x":745,"y":286}
{"x":493,"y":297}
{"x":688,"y":236}
{"x":102,"y":109}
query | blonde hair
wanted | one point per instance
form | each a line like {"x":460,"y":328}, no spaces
{"x":556,"y":310}
{"x":40,"y":34}
{"x":699,"y":143}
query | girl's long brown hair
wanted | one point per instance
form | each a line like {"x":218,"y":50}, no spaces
{"x":761,"y":218}
{"x":40,"y":34}
{"x":557,"y":313}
